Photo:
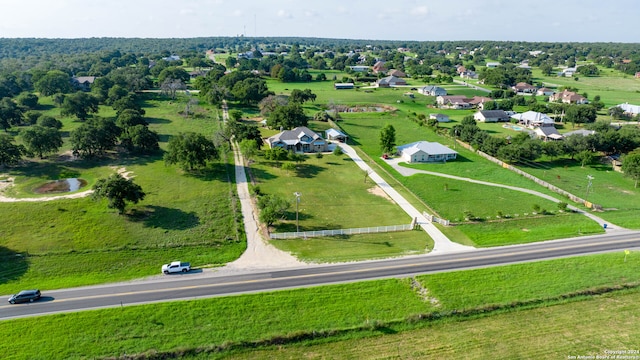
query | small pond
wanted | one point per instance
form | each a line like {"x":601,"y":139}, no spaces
{"x":61,"y":186}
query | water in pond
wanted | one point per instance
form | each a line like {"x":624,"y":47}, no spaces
{"x":60,"y":186}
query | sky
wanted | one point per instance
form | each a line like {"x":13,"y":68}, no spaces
{"x":422,"y":20}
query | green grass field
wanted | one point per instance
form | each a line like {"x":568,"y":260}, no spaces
{"x":401,"y":308}
{"x":613,"y":86}
{"x":65,"y":243}
{"x":610,"y":189}
{"x":586,"y":328}
{"x":335,"y":196}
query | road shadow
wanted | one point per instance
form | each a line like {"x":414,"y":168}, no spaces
{"x":13,"y":265}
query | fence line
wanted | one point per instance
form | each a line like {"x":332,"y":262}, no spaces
{"x":353,"y":231}
{"x":435,"y":219}
{"x":537,"y":180}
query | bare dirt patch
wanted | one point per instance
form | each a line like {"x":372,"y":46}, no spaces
{"x":377,"y":190}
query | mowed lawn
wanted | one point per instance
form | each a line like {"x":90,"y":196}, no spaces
{"x":481,"y":201}
{"x":62,"y":243}
{"x":336,"y":195}
{"x":609,"y":189}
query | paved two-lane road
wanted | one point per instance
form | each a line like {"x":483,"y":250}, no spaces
{"x":201,"y":285}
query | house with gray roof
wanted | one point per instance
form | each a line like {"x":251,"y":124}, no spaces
{"x":300,"y":139}
{"x":491,"y":116}
{"x":424,"y":151}
{"x":83,"y":82}
{"x":547,"y":133}
{"x":430,"y":90}
{"x":334,"y":134}
{"x":390,"y":81}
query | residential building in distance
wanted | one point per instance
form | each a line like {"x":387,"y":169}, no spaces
{"x":390,"y":81}
{"x":533,"y":119}
{"x":430,"y":90}
{"x":629,"y":109}
{"x":424,"y":151}
{"x":300,"y":139}
{"x":491,"y":116}
{"x":569,"y":97}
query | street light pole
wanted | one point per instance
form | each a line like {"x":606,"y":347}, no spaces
{"x":297,"y":194}
{"x":589,"y":177}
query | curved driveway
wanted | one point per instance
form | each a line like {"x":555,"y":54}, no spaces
{"x":405,"y":171}
{"x":441,"y":242}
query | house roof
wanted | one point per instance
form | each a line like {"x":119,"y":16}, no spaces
{"x":479,"y":99}
{"x":494,"y":114}
{"x":334,"y":133}
{"x":582,"y":132}
{"x":292,"y":137}
{"x":390,"y":80}
{"x":430,"y":88}
{"x":634,"y":109}
{"x":533,"y":117}
{"x":548,"y":131}
{"x":397,"y":73}
{"x":545,"y":89}
{"x":431,"y":148}
{"x":524,"y":85}
{"x":85,"y":79}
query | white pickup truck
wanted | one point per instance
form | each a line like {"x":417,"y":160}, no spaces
{"x":176,"y":267}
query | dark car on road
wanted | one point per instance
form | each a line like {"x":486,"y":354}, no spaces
{"x":25,"y":296}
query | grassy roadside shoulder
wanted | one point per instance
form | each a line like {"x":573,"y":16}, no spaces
{"x":324,"y":314}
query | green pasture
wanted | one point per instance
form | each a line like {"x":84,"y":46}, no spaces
{"x":586,"y":328}
{"x":334,"y":194}
{"x":191,"y":217}
{"x":613,"y":86}
{"x":322,"y":317}
{"x":520,"y":230}
{"x":452,"y":198}
{"x":357,"y":247}
{"x":609,"y":188}
{"x":530,"y":281}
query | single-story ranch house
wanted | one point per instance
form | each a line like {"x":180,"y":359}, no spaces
{"x":533,"y":119}
{"x":424,"y":151}
{"x":300,"y":139}
{"x":430,"y":90}
{"x":630,"y":109}
{"x":491,"y":116}
{"x":390,"y":81}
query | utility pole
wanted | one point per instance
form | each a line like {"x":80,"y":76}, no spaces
{"x":297,"y":194}
{"x":589,"y":178}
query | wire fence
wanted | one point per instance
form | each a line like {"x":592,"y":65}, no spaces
{"x":354,"y":231}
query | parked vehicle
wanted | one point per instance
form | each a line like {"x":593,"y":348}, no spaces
{"x":176,"y":267}
{"x":25,"y":296}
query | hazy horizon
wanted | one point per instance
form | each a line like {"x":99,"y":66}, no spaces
{"x":404,"y":20}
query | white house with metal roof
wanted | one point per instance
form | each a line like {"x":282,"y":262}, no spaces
{"x":300,"y":139}
{"x":630,"y":109}
{"x":533,"y":119}
{"x":424,"y":151}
